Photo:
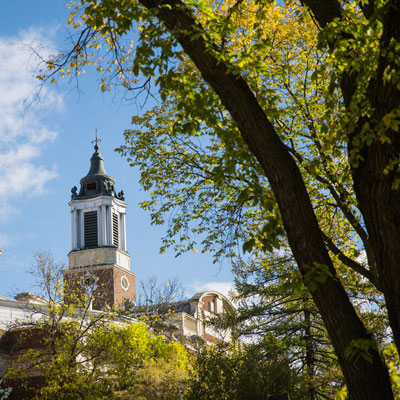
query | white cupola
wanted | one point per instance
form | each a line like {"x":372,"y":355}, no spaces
{"x":98,"y":213}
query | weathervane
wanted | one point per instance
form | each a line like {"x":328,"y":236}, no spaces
{"x":96,"y":147}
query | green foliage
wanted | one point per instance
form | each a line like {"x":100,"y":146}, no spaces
{"x":110,"y":361}
{"x":81,"y":353}
{"x":272,"y":300}
{"x":139,"y":364}
{"x":224,"y":372}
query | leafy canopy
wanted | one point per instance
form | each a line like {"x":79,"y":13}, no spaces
{"x":214,"y":181}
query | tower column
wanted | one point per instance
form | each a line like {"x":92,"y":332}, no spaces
{"x":109,"y":226}
{"x":78,"y":217}
{"x":81,"y":230}
{"x":103,"y":226}
{"x":100,"y":239}
{"x":73,"y":236}
{"x":75,"y":229}
{"x":77,"y":242}
{"x":123,"y":232}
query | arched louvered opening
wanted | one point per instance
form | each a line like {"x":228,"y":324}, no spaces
{"x":91,"y":235}
{"x":115,"y":230}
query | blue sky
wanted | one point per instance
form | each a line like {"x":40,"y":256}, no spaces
{"x":45,"y":147}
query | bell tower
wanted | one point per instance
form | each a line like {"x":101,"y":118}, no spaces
{"x":99,"y":255}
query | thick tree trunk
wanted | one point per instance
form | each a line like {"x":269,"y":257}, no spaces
{"x":379,"y":201}
{"x":365,"y":379}
{"x":378,"y":197}
{"x":379,"y":204}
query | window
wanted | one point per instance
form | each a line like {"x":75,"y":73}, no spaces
{"x":91,"y":186}
{"x":115,"y":230}
{"x":219,"y":307}
{"x":125,"y":283}
{"x":90,"y":222}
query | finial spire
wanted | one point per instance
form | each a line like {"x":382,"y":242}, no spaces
{"x":96,"y":147}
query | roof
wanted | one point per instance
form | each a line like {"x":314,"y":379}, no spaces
{"x":164,"y":308}
{"x":97,"y":165}
{"x":97,"y":182}
{"x":177,"y":306}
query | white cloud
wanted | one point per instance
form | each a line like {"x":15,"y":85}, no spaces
{"x":222,"y":287}
{"x":23,"y":130}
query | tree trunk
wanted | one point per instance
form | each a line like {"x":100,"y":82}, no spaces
{"x":376,"y":192}
{"x":379,"y":202}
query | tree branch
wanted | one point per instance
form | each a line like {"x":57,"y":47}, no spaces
{"x":355,"y":266}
